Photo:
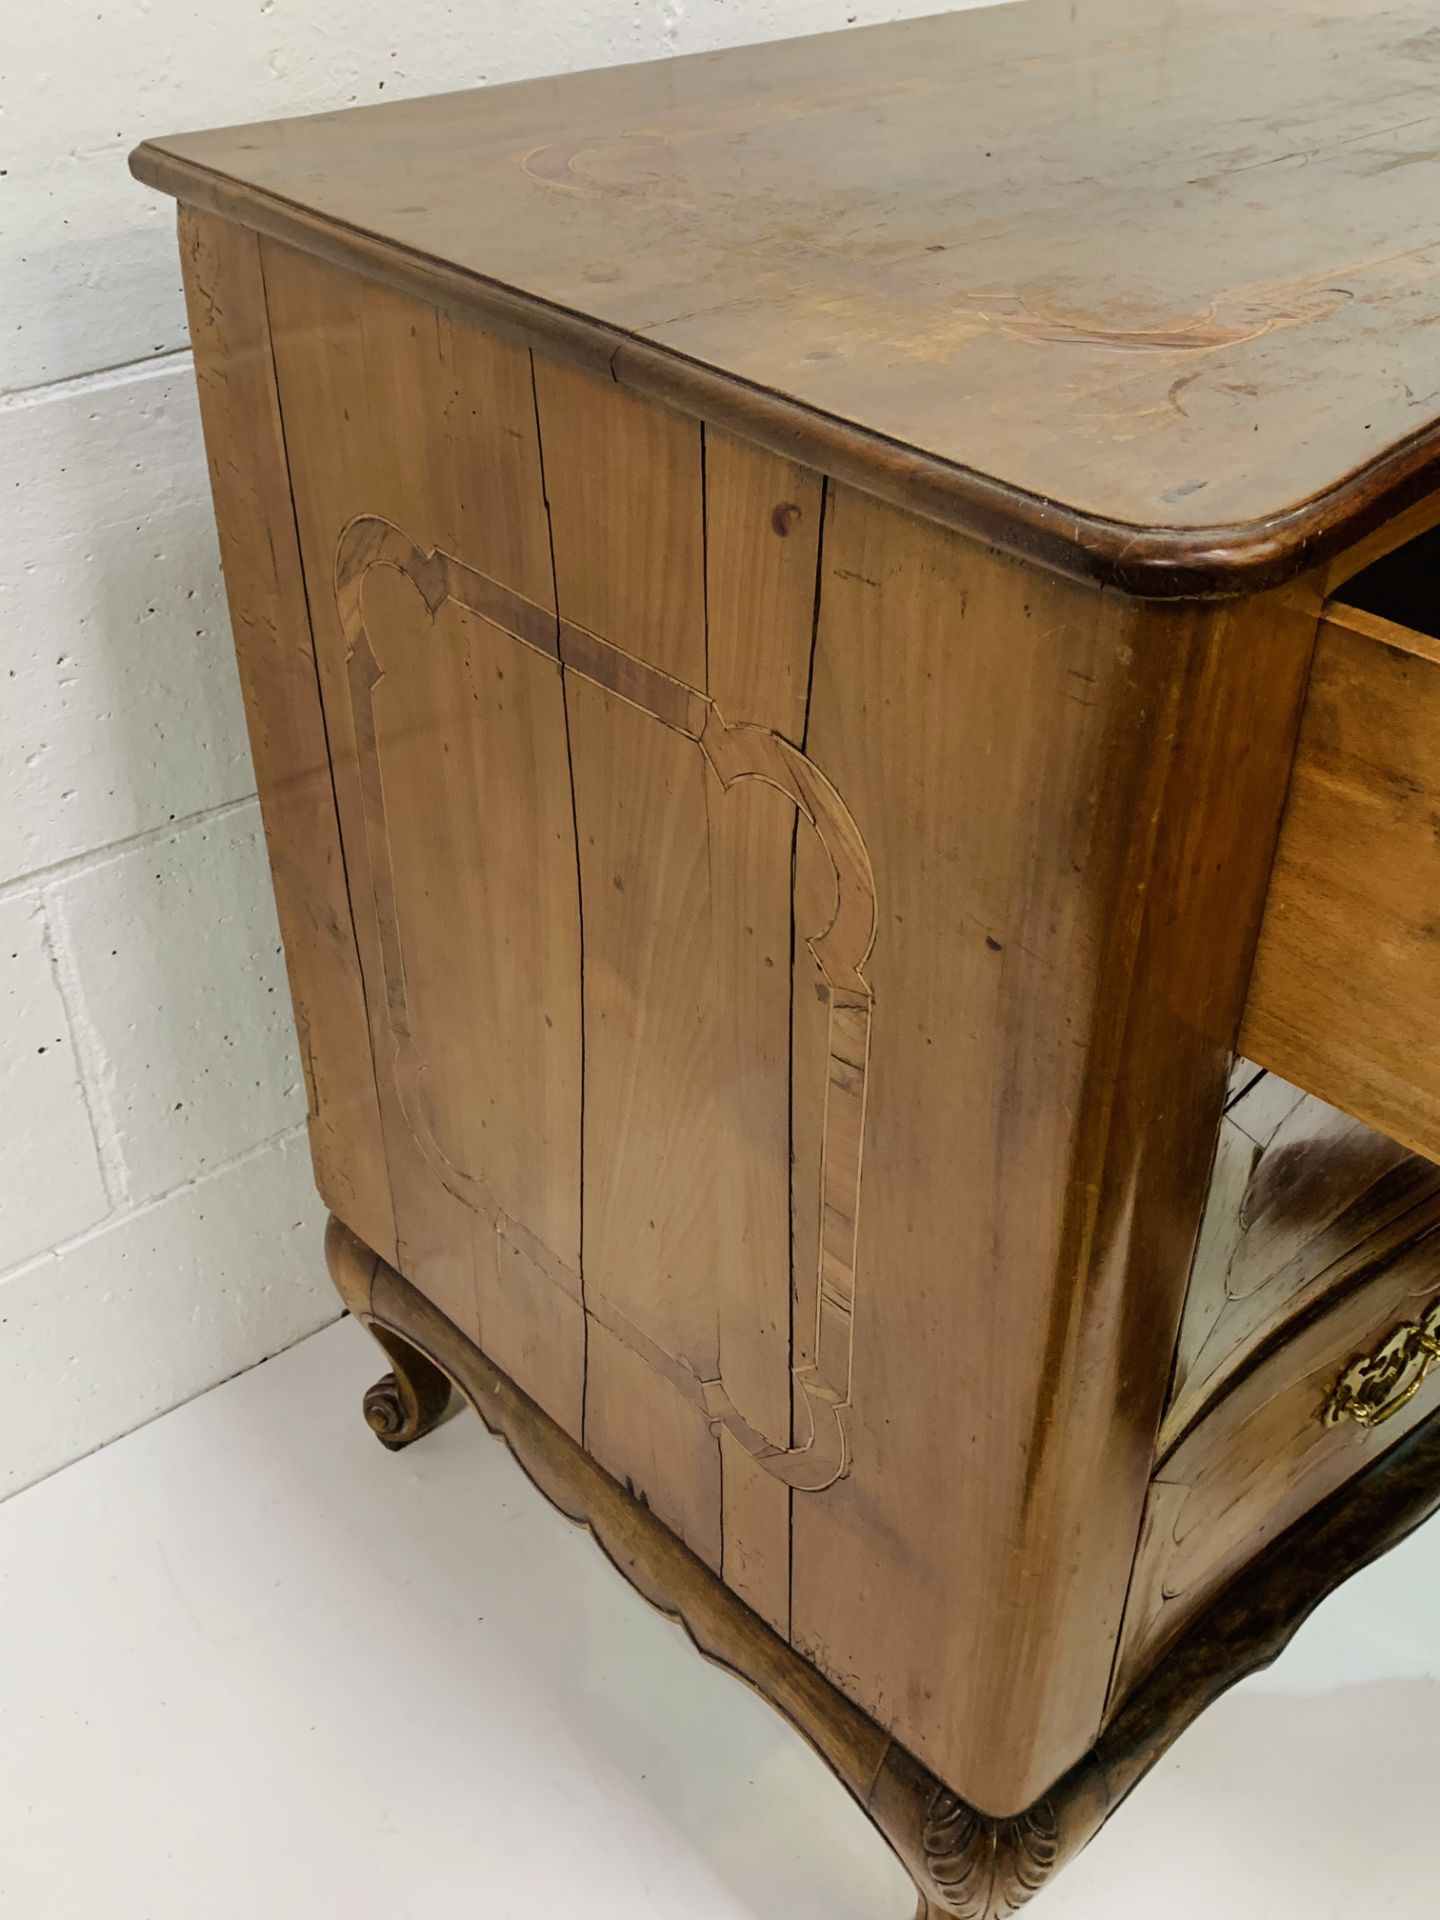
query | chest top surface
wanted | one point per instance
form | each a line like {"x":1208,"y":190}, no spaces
{"x":1153,"y":288}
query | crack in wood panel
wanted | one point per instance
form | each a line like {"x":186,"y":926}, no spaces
{"x":458,"y":741}
{"x":579,"y":901}
{"x":762,"y":530}
{"x":275,"y":651}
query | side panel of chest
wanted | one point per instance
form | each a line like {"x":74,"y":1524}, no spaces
{"x":773,"y":914}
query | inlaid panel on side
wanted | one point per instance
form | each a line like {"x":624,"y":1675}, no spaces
{"x":665,"y":1136}
{"x":573,"y":869}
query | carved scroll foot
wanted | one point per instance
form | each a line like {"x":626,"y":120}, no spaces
{"x":406,"y":1403}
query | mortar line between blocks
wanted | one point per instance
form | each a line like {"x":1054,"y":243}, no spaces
{"x":92,"y":1071}
{"x":97,"y":380}
{"x":41,"y":877}
{"x":135,"y":1210}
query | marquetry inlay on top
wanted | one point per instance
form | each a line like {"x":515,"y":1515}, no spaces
{"x":1055,"y":271}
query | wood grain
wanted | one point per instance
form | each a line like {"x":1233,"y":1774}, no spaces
{"x":752,"y":584}
{"x":855,"y":245}
{"x":1349,"y":956}
{"x":999,"y":736}
{"x":624,"y":489}
{"x":650,"y":815}
{"x":1263,"y":1457}
{"x":455,"y":810}
{"x":624,"y":485}
{"x":1075,"y":1136}
{"x":265,"y":587}
{"x":763,"y":528}
{"x":1303,"y":1202}
{"x":804,"y":951}
{"x":650,"y":1119}
{"x":482,"y":903}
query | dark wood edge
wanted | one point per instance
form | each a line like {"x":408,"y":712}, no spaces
{"x":1397,"y":530}
{"x":965,"y":1863}
{"x":1165,"y":563}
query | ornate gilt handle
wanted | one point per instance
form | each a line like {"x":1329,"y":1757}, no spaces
{"x":1375,"y":1386}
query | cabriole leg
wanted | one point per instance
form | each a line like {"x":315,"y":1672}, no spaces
{"x":406,"y":1403}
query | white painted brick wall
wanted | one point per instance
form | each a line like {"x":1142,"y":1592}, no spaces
{"x":122,"y":706}
{"x":51,"y":1185}
{"x":158,"y":1230}
{"x":158,"y":1304}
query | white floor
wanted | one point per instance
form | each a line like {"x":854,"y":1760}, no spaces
{"x":250,"y":1664}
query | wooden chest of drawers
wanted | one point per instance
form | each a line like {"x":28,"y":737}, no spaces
{"x":779,"y":610}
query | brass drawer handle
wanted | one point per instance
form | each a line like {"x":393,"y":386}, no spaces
{"x":1375,"y":1386}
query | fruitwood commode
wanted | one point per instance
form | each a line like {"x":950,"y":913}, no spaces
{"x":836,"y":637}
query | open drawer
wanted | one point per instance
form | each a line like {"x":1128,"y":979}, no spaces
{"x":1345,"y":997}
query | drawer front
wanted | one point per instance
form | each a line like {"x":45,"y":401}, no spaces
{"x":1279,"y":1442}
{"x":1347,"y":973}
{"x":1304,"y":1203}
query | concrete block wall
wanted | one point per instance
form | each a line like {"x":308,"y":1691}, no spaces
{"x":158,"y":1230}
